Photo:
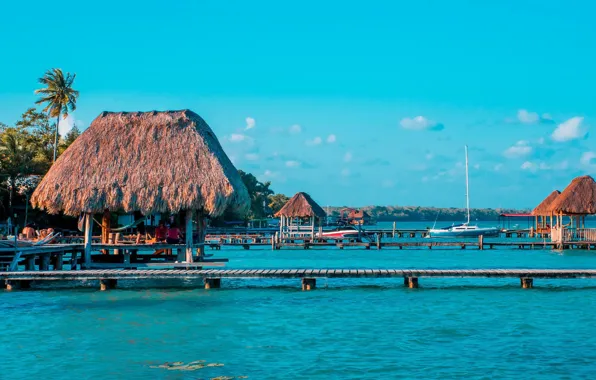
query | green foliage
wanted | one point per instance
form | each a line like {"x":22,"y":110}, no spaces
{"x":41,"y":132}
{"x":417,"y":213}
{"x":58,"y":96}
{"x":259,"y":193}
{"x":276,"y":202}
{"x":70,"y":137}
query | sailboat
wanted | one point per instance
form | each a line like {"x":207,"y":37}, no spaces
{"x":464,"y":229}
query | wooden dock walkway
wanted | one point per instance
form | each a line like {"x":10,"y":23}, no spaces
{"x":212,"y":277}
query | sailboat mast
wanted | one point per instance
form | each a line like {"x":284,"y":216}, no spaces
{"x":467,"y":186}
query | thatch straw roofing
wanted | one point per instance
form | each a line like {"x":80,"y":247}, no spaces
{"x":577,"y":198}
{"x":301,"y":205}
{"x":543,"y":208}
{"x":143,"y":161}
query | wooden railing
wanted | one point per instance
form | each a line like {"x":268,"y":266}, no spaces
{"x":579,"y":234}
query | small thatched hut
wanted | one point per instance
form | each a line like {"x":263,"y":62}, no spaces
{"x":577,"y":200}
{"x":293,"y":214}
{"x":148,"y":162}
{"x":543,"y":210}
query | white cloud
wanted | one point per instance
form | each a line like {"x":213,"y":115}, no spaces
{"x":295,"y":129}
{"x":528,"y":166}
{"x":420,"y":123}
{"x":527,"y":117}
{"x":251,"y":156}
{"x":569,"y":130}
{"x":345,"y":172}
{"x":520,"y":149}
{"x":331,"y":139}
{"x":316,"y":141}
{"x":66,"y":124}
{"x":237,"y":137}
{"x":476,"y":166}
{"x":498,"y":167}
{"x":292,"y":164}
{"x":269,"y":174}
{"x":429,"y":156}
{"x":250,"y":123}
{"x":587,"y":158}
{"x":348,"y":157}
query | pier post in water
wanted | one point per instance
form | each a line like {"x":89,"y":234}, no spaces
{"x":411,"y":282}
{"x":527,"y":283}
{"x":17,"y":284}
{"x":108,"y":283}
{"x":481,"y":242}
{"x":309,"y":283}
{"x":212,"y":283}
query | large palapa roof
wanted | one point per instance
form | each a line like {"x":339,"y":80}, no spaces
{"x":143,"y":161}
{"x":579,"y":197}
{"x":301,"y":205}
{"x":544,"y":207}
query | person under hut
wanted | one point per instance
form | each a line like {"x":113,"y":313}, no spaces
{"x":29,"y":232}
{"x":141,"y":231}
{"x":161,"y":234}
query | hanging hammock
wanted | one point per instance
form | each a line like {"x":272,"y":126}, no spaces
{"x":132,"y":225}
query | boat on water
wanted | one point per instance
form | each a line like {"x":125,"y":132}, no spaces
{"x":342,"y":232}
{"x":464,"y":229}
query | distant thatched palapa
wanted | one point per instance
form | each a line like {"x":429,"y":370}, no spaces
{"x":143,"y":161}
{"x":301,"y":205}
{"x":543,"y":209}
{"x":578,"y":198}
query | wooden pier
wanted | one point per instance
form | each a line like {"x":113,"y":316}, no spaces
{"x":212,"y":278}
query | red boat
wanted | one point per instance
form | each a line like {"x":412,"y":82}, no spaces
{"x":344,"y":232}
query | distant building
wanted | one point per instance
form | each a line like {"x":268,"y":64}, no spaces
{"x":354,"y":217}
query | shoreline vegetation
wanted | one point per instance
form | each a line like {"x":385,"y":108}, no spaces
{"x":430,"y":214}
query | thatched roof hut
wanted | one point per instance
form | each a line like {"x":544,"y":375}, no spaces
{"x":301,"y":206}
{"x":543,"y":209}
{"x":143,"y":161}
{"x":578,"y":198}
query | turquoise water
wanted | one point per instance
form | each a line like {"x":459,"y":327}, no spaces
{"x":346,"y":329}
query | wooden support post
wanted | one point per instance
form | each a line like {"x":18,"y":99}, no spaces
{"x":188,"y":236}
{"x":88,"y":239}
{"x":309,"y":283}
{"x":105,"y":229}
{"x":59,"y":261}
{"x":379,"y":241}
{"x":73,"y":260}
{"x":30,"y":263}
{"x":481,"y":242}
{"x":44,"y":262}
{"x":212,"y":283}
{"x":108,"y":283}
{"x":393,"y":232}
{"x":527,"y":283}
{"x":411,"y":282}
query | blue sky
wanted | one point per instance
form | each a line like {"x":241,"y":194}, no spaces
{"x":355,"y":102}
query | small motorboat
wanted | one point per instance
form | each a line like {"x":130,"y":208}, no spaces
{"x":342,"y":232}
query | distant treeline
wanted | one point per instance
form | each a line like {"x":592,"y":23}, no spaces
{"x":415,"y":213}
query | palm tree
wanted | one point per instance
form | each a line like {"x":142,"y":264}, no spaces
{"x":59,"y":96}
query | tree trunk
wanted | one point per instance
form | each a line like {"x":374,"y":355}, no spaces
{"x":56,"y":137}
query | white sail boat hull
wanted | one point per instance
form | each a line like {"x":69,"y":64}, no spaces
{"x":463,"y":231}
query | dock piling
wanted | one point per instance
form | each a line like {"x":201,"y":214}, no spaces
{"x":309,"y":283}
{"x":411,"y":282}
{"x":17,"y":284}
{"x":107,"y":284}
{"x":527,"y":283}
{"x":481,"y":242}
{"x":212,"y":283}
